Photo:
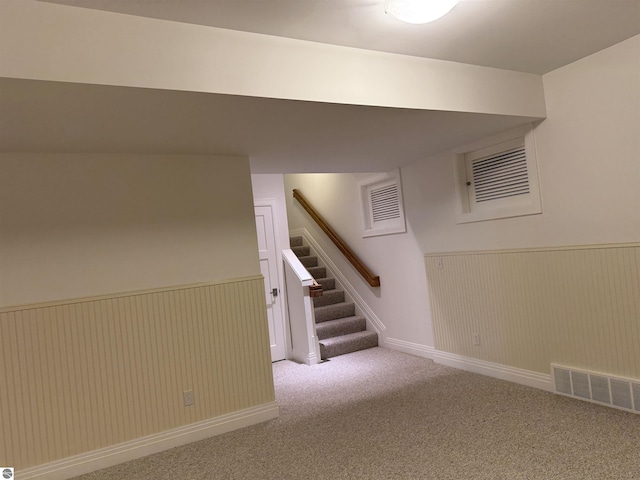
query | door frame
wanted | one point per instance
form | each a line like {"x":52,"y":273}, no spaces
{"x":275,"y":216}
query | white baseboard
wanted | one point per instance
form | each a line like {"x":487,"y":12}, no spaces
{"x":367,"y":312}
{"x":495,"y":370}
{"x":304,"y":358}
{"x":408,"y":347}
{"x":124,"y":452}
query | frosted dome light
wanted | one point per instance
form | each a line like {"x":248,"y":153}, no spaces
{"x":419,"y":11}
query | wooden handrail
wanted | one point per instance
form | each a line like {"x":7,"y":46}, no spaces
{"x":371,"y":279}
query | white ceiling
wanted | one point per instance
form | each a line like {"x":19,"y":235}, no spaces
{"x":293,"y":136}
{"x":534,"y":36}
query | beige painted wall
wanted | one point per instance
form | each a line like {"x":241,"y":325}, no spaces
{"x":107,"y":361}
{"x":573,"y":306}
{"x":588,"y":161}
{"x":83,"y":225}
{"x":94,"y":373}
{"x":576,"y":306}
{"x":589,"y":164}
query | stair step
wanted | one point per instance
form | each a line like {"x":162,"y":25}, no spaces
{"x":317,"y":272}
{"x":353,"y":342}
{"x":309,"y":261}
{"x":295,"y":241}
{"x":336,"y":310}
{"x":327,"y":283}
{"x":340,"y":326}
{"x":302,"y":250}
{"x":329,"y":298}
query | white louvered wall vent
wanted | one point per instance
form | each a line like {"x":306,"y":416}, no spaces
{"x":497,"y":177}
{"x":500,"y":176}
{"x":594,"y":387}
{"x":385,"y":203}
{"x":381,"y":202}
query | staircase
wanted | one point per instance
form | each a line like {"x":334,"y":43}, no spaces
{"x":338,"y":327}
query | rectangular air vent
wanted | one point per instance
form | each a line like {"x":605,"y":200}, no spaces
{"x":562,"y":377}
{"x":580,"y":383}
{"x":381,"y":203}
{"x":621,"y":394}
{"x":501,"y":176}
{"x":497,"y":177}
{"x":385,"y":203}
{"x":598,"y":388}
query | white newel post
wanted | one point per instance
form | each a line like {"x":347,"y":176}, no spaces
{"x":304,"y":346}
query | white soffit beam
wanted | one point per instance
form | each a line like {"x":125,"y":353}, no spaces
{"x":43,"y":41}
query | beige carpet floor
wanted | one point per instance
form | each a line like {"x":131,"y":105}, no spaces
{"x":381,"y":414}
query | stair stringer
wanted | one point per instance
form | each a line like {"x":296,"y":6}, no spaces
{"x":362,"y":308}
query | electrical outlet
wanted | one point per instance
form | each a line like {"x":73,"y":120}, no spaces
{"x":476,"y":339}
{"x":188,"y":398}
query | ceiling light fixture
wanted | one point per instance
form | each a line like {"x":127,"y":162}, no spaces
{"x":419,"y":11}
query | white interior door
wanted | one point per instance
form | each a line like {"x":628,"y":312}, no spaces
{"x":269,"y":269}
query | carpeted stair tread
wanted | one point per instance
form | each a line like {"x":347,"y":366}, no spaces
{"x":336,"y":310}
{"x":329,"y":298}
{"x":340,"y":326}
{"x":353,"y":342}
{"x":302,"y":250}
{"x":317,"y":272}
{"x":309,"y":261}
{"x":327,"y":283}
{"x":338,"y":329}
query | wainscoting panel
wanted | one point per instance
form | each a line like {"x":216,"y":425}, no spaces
{"x":86,"y":374}
{"x":574,"y":306}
